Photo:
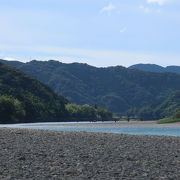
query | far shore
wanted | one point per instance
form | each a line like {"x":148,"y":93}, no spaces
{"x":111,"y":124}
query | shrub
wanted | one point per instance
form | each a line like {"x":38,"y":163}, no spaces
{"x":177,"y":114}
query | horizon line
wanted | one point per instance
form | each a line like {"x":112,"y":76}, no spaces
{"x":46,"y":60}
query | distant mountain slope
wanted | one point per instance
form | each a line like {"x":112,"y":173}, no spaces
{"x":169,"y":106}
{"x":156,"y":68}
{"x":165,"y":108}
{"x":12,"y":63}
{"x":175,"y":69}
{"x":39,"y":102}
{"x":115,"y":88}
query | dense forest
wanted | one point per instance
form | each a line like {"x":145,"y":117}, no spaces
{"x":115,"y":88}
{"x":169,"y":107}
{"x":25,"y":99}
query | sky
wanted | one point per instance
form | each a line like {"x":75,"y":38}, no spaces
{"x":98,"y":32}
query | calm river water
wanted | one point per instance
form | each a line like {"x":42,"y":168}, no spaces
{"x":167,"y":131}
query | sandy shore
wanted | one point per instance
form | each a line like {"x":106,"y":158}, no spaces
{"x":113,"y":124}
{"x":40,"y":155}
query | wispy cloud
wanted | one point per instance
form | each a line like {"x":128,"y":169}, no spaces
{"x":124,"y":29}
{"x":145,"y":9}
{"x":148,"y":10}
{"x":108,"y":9}
{"x":9,"y":58}
{"x":160,"y":2}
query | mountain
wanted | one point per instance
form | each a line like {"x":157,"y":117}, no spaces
{"x":32,"y":100}
{"x":115,"y":88}
{"x":166,"y":108}
{"x":25,"y":99}
{"x":148,"y":67}
{"x":11,"y":63}
{"x":175,"y":69}
{"x":156,"y":68}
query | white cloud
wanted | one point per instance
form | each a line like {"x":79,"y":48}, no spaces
{"x":109,"y":8}
{"x":160,"y":2}
{"x":8,"y":58}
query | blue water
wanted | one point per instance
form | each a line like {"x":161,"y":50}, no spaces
{"x":166,"y":131}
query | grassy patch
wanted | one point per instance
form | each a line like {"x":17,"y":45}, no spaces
{"x":168,"y":120}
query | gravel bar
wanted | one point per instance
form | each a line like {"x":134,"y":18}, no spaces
{"x":44,"y":155}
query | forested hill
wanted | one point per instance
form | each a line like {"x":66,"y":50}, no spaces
{"x":156,"y":68}
{"x":115,"y":88}
{"x":165,"y":108}
{"x":24,"y":99}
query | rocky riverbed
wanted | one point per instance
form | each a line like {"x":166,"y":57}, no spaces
{"x":41,"y":154}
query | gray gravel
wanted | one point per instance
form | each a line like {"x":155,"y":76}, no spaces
{"x":40,"y":155}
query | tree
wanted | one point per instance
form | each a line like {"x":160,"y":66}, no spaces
{"x":11,"y":110}
{"x":88,"y":111}
{"x":73,"y":110}
{"x":104,"y":114}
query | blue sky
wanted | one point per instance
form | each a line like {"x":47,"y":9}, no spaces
{"x":97,"y":32}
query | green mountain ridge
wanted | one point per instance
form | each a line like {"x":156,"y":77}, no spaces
{"x":156,"y":68}
{"x":115,"y":88}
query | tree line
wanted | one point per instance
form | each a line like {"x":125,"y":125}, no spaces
{"x":13,"y":111}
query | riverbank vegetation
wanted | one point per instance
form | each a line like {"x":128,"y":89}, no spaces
{"x":173,"y":119}
{"x":88,"y":113}
{"x":168,"y":120}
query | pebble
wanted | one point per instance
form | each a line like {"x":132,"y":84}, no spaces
{"x":44,"y":155}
